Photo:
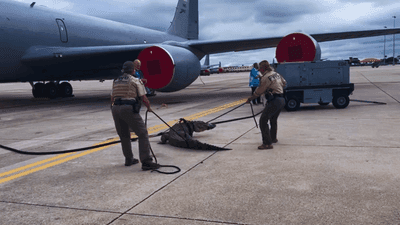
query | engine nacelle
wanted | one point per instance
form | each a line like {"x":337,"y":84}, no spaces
{"x":298,"y":47}
{"x":169,"y":68}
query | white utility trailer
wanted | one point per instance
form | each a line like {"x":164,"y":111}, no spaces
{"x":319,"y":82}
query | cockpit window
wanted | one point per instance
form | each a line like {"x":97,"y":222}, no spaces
{"x":63,"y":30}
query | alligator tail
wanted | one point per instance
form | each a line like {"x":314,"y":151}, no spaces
{"x":195,"y":144}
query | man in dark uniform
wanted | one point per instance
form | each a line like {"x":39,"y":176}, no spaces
{"x":127,"y":94}
{"x":272,"y":84}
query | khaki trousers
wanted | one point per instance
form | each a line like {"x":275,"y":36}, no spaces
{"x":124,"y":119}
{"x":271,"y":113}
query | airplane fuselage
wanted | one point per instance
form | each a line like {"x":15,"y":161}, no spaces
{"x":22,"y":27}
{"x":47,"y":47}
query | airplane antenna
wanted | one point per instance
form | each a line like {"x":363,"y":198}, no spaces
{"x":33,"y":3}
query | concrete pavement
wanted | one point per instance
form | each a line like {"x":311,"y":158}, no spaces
{"x":336,"y":166}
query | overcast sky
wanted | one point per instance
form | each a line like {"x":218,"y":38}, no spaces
{"x":236,"y":19}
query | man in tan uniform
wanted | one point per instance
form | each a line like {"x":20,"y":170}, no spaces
{"x":271,"y":84}
{"x":127,"y":94}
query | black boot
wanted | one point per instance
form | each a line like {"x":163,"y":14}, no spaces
{"x":150,"y":165}
{"x":130,"y":162}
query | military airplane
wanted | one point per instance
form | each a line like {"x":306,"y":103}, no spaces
{"x":48,"y":48}
{"x":206,"y":67}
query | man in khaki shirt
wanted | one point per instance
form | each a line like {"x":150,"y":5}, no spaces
{"x":271,"y":84}
{"x":127,"y":95}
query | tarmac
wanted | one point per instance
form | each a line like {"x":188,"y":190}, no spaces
{"x":330,"y":166}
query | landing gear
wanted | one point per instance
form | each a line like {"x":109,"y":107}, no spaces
{"x":65,"y":89}
{"x":38,"y":90}
{"x":51,"y":90}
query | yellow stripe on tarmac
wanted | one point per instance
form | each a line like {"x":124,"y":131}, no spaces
{"x":64,"y":157}
{"x":57,"y":162}
{"x":33,"y":164}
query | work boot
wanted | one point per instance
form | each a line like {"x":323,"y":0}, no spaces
{"x":275,"y":141}
{"x":150,"y":166}
{"x":263,"y":147}
{"x":130,"y":162}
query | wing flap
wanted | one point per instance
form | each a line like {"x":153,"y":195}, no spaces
{"x":210,"y":47}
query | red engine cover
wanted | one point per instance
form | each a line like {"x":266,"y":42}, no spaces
{"x":298,"y":47}
{"x":169,"y":68}
{"x":157,"y":67}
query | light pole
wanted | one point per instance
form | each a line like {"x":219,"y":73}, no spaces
{"x":394,"y":36}
{"x":384,"y":48}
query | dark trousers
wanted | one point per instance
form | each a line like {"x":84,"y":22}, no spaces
{"x":257,"y":100}
{"x":271,"y":113}
{"x":124,"y":119}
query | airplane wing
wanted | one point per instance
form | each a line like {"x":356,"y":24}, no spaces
{"x":40,"y":55}
{"x":203,"y":67}
{"x":210,"y":47}
{"x":353,"y":34}
{"x":108,"y":56}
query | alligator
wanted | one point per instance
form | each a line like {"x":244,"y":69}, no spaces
{"x":181,"y":135}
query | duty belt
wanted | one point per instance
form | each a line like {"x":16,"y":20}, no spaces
{"x":272,"y":97}
{"x":119,"y":101}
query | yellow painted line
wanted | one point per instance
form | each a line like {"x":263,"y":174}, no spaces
{"x":63,"y":158}
{"x":196,"y":116}
{"x":34,"y":164}
{"x":57,"y":162}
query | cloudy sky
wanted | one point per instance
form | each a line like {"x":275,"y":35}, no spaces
{"x":237,"y":19}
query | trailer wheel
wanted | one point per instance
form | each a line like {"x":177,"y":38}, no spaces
{"x":341,"y":101}
{"x":292,"y":104}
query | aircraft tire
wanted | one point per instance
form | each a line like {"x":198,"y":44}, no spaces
{"x":65,"y":89}
{"x":38,"y":90}
{"x":50,"y":90}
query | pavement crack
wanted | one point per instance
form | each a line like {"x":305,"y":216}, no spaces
{"x":341,"y":146}
{"x":59,"y":207}
{"x":239,"y":137}
{"x":380,"y":89}
{"x":176,"y":178}
{"x":185,"y":218}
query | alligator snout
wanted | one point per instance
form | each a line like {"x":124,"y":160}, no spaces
{"x":211,"y":126}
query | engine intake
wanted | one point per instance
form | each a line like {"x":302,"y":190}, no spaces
{"x":298,"y":47}
{"x":169,"y":68}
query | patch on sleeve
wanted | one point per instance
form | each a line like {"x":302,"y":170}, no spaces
{"x":274,"y":77}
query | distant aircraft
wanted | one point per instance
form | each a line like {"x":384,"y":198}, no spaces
{"x":206,"y":68}
{"x":47,"y":47}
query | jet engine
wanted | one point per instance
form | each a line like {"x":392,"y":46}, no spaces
{"x":298,"y":47}
{"x":169,"y":68}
